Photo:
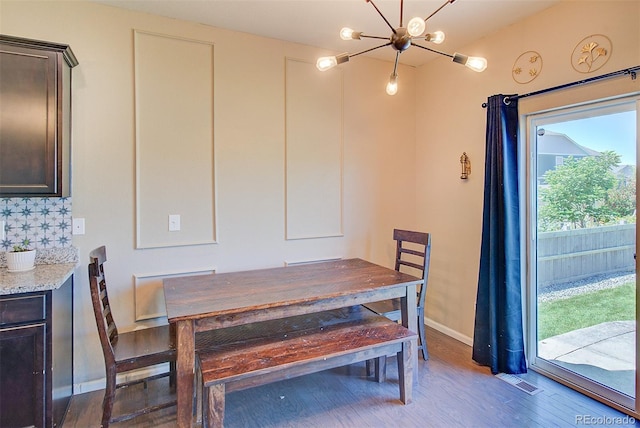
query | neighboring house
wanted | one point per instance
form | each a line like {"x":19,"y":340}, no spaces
{"x":625,"y":173}
{"x":554,"y":148}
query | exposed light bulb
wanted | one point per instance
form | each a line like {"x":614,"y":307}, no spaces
{"x":326,"y":62}
{"x":346,"y":33}
{"x":416,"y":26}
{"x":392,"y":86}
{"x":475,"y":63}
{"x":437,"y":37}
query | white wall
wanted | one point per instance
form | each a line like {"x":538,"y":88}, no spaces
{"x":452,"y":121}
{"x":249,"y":130}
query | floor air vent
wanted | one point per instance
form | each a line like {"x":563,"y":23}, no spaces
{"x":519,"y":383}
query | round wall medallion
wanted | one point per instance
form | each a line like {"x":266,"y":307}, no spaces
{"x":527,"y":67}
{"x":591,"y":53}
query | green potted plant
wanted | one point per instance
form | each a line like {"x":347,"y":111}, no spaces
{"x":21,"y":258}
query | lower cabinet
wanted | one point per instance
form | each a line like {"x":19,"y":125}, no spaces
{"x":22,"y":376}
{"x":36,"y":357}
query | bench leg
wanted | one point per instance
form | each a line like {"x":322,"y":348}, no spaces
{"x":381,"y":369}
{"x":214,"y":406}
{"x":370,"y":367}
{"x":405,"y":371}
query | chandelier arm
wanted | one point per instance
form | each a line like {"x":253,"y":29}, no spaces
{"x":369,"y":50}
{"x":401,"y":11}
{"x":380,"y":13}
{"x":440,"y":8}
{"x":433,"y":50}
{"x":364,"y":36}
{"x":395,"y":66}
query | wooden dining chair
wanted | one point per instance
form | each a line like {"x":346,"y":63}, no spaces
{"x":128,"y":351}
{"x":413,"y":251}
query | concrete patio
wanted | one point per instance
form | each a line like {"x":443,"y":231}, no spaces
{"x":604,"y":353}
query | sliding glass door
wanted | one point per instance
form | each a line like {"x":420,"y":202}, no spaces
{"x":581,"y":218}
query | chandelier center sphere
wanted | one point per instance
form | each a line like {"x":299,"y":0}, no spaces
{"x":401,"y":39}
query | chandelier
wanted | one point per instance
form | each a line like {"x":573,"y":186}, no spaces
{"x":402,"y":38}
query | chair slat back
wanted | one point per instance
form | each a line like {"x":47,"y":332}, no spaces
{"x":420,"y":250}
{"x":107,"y":329}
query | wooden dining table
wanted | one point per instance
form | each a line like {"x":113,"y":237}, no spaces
{"x":206,"y":302}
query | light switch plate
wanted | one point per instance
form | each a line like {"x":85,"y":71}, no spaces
{"x":174,"y":222}
{"x":2,"y":231}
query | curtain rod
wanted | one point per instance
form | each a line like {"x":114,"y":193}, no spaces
{"x":631,"y":71}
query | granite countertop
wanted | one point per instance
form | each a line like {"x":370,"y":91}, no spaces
{"x":53,"y":267}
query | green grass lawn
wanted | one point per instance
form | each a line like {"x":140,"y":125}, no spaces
{"x":564,"y":315}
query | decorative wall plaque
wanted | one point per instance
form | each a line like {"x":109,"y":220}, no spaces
{"x":591,"y":53}
{"x":527,"y":67}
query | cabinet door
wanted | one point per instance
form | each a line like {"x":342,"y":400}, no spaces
{"x":22,"y":376}
{"x":29,"y":138}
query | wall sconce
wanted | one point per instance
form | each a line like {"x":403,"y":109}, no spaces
{"x":465,"y":164}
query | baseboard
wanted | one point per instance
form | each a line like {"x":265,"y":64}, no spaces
{"x":449,"y":332}
{"x":95,"y":385}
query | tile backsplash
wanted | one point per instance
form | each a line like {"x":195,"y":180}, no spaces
{"x":45,"y":222}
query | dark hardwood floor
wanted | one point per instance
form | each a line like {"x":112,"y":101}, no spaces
{"x":452,"y":392}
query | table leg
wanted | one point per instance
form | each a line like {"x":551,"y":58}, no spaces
{"x":185,"y":343}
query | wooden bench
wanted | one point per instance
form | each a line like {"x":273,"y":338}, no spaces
{"x":245,"y":356}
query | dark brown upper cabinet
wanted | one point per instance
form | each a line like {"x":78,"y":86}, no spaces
{"x":35,"y":117}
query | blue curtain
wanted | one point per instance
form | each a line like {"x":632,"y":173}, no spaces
{"x":498,"y":340}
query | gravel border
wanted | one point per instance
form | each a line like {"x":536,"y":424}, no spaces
{"x":600,"y":282}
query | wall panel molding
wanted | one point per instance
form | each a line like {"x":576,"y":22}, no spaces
{"x":310,"y":261}
{"x":313,"y":151}
{"x":174,"y":90}
{"x":149,"y":295}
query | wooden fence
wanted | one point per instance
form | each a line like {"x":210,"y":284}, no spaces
{"x":572,"y":255}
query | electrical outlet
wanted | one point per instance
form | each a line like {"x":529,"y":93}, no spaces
{"x":77,"y":225}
